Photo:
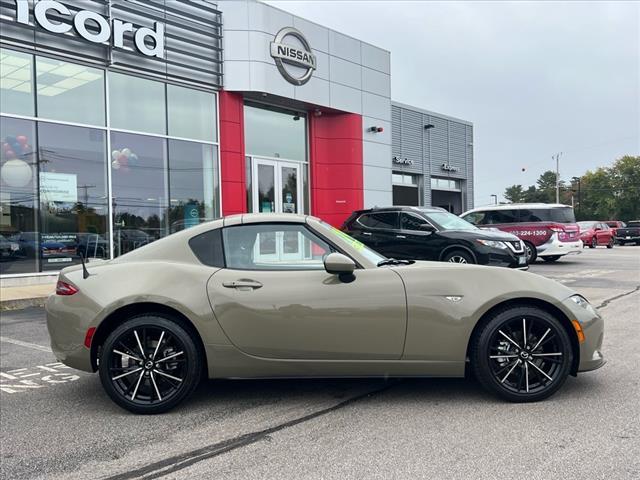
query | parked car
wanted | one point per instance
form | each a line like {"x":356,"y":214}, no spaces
{"x":629,"y":234}
{"x":593,"y":234}
{"x":8,"y":248}
{"x":614,"y":225}
{"x":549,"y":231}
{"x":432,"y":233}
{"x":208,"y":301}
{"x":92,"y":245}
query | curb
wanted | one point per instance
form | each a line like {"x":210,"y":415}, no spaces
{"x":20,"y":303}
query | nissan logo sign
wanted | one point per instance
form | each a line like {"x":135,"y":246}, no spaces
{"x":291,"y":54}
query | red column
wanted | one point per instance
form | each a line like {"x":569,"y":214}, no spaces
{"x":232,"y":163}
{"x":335,"y":142}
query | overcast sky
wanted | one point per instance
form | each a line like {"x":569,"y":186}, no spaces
{"x":535,"y":78}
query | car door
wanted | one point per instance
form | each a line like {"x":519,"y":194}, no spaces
{"x":416,"y":242}
{"x":380,"y":232}
{"x":292,"y":308}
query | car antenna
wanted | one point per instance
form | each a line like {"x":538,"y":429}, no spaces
{"x":85,"y":272}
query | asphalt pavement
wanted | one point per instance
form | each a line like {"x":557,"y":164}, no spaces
{"x":56,"y":422}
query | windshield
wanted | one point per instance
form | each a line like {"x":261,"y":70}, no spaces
{"x":448,"y":221}
{"x":633,"y":224}
{"x":371,"y":255}
{"x":585,"y":225}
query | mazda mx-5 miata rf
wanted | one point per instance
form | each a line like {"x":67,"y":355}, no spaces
{"x":267,"y":295}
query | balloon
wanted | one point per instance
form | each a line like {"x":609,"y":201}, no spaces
{"x":22,"y":140}
{"x":126,"y":152}
{"x":16,"y":173}
{"x":133,"y":160}
{"x":123,"y":160}
{"x":10,"y":154}
{"x":10,"y":140}
{"x":115,"y":154}
{"x":115,"y":165}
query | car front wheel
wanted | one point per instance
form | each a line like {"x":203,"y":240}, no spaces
{"x":611,"y":243}
{"x":522,"y":354}
{"x":458,"y":256}
{"x":531,"y":252}
{"x":149,"y":364}
{"x":594,"y":243}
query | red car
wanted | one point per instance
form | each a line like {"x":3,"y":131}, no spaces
{"x":548,"y":230}
{"x":593,"y":234}
{"x":614,"y":225}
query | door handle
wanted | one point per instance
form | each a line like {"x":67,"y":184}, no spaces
{"x":242,"y":284}
{"x":401,"y":236}
{"x":368,"y":234}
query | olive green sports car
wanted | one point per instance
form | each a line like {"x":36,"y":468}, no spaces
{"x":266,"y":295}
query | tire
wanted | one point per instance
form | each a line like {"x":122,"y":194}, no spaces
{"x":594,"y":242}
{"x":458,"y":256}
{"x":161,"y":384}
{"x":551,"y":258}
{"x":514,"y":376}
{"x":611,"y":243}
{"x":531,"y":251}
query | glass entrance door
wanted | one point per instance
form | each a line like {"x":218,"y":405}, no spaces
{"x":277,"y":189}
{"x":277,"y":186}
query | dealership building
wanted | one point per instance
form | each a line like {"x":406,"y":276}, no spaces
{"x":124,"y":121}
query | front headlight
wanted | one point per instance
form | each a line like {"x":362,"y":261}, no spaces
{"x":583,"y":302}
{"x":492,"y":243}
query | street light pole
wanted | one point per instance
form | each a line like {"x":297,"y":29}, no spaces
{"x":557,"y":157}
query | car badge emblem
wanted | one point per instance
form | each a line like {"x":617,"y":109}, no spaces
{"x":453,"y":298}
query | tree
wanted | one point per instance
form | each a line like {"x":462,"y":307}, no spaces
{"x":514,"y":194}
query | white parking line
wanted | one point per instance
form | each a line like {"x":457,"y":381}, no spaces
{"x":25,"y":344}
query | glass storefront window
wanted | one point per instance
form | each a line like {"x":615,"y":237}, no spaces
{"x":70,"y":92}
{"x":139,"y":187}
{"x":16,"y":83}
{"x":445,"y":184}
{"x":55,"y":196}
{"x":191,"y":113}
{"x":193,"y":184}
{"x":73,"y":194}
{"x":137,"y":104}
{"x":18,"y":196}
{"x":272,"y":133}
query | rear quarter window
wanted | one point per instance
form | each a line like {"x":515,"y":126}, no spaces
{"x":207,"y":247}
{"x":385,"y":220}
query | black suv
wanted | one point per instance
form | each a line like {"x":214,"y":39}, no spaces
{"x":431,"y":233}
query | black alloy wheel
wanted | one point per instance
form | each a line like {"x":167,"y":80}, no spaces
{"x":594,"y":242}
{"x":523,"y":354}
{"x":531,"y":252}
{"x":149,"y":364}
{"x":458,"y":256}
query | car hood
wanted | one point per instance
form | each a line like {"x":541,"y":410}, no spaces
{"x":486,"y":283}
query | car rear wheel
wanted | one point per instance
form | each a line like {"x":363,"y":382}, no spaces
{"x":551,"y":258}
{"x":611,"y":243}
{"x":522,"y":354}
{"x":458,"y":256}
{"x":531,"y":251}
{"x":149,"y":364}
{"x":594,"y":243}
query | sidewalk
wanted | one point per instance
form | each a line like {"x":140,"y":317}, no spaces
{"x":12,"y":298}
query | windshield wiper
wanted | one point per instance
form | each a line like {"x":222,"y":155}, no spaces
{"x":394,"y":261}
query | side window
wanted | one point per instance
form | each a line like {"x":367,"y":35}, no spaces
{"x":273,"y":247}
{"x":531,"y":216}
{"x":208,"y":248}
{"x":502,"y":216}
{"x":409,"y":221}
{"x":384,"y":220}
{"x":476,"y":218}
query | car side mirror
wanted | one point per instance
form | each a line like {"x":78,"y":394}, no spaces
{"x":339,"y":264}
{"x":426,"y":227}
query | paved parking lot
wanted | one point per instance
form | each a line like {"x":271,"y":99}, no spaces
{"x":58,"y":423}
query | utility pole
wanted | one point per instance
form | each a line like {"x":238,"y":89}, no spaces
{"x":557,"y":157}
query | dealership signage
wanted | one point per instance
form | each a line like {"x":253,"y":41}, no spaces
{"x":59,"y":187}
{"x":402,"y":161}
{"x":285,"y":53}
{"x":447,"y":167}
{"x":85,"y":23}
